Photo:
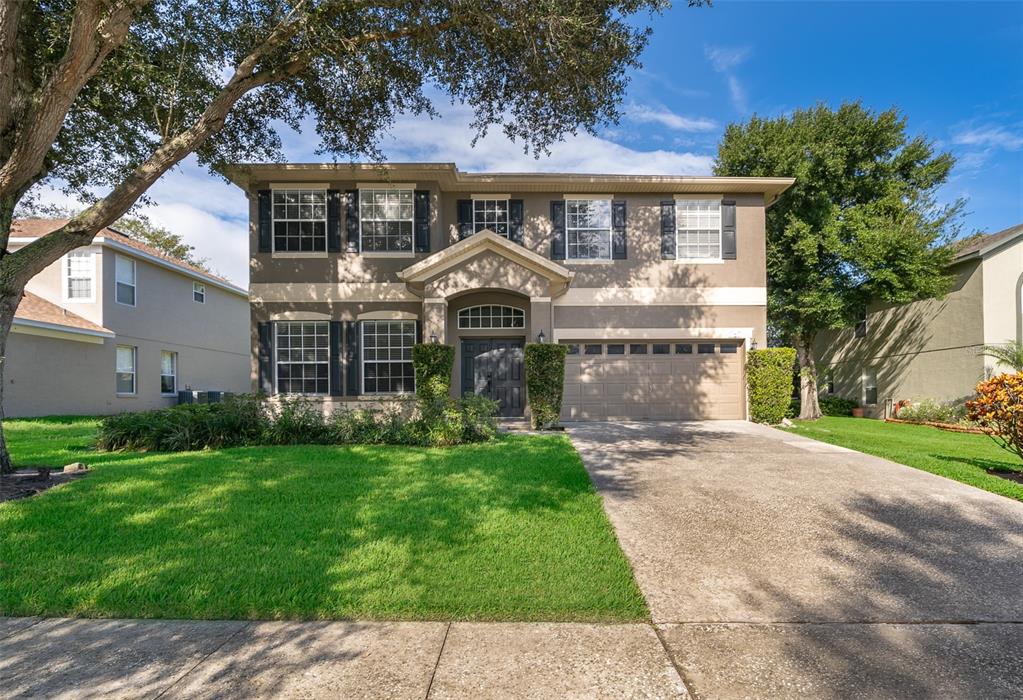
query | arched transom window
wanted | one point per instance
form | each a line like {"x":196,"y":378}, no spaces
{"x":491,"y":316}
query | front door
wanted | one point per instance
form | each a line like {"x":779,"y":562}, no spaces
{"x":492,"y":367}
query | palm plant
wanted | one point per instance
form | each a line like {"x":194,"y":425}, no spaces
{"x":1009,"y":353}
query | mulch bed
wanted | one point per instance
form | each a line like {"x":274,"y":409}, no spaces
{"x":951,"y":427}
{"x":28,"y":482}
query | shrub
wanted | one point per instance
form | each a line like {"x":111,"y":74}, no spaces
{"x":545,"y":382}
{"x":830,"y":406}
{"x":238,"y":420}
{"x":433,"y":364}
{"x":769,"y":378}
{"x":931,"y":411}
{"x":999,"y":407}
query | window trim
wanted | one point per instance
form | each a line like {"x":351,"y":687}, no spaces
{"x":134,"y":371}
{"x":134,"y":284}
{"x":507,"y":215}
{"x":679,"y":201}
{"x":201,"y":288}
{"x":610,"y":229}
{"x":516,"y":315}
{"x":276,"y":362}
{"x":65,"y":277}
{"x":273,"y":228}
{"x":412,"y":220}
{"x":174,"y":356}
{"x":362,"y":359}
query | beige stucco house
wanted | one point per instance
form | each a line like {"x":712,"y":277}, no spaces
{"x":931,"y":349}
{"x":656,"y":284}
{"x":120,"y":326}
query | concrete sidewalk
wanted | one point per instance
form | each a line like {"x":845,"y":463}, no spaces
{"x":57,"y":658}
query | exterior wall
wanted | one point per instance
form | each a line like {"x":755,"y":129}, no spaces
{"x":927,"y":349}
{"x":1003,"y":297}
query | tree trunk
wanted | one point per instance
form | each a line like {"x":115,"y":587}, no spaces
{"x":8,"y":305}
{"x":809,"y":408}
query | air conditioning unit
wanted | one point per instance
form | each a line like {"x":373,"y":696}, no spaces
{"x":187,"y":396}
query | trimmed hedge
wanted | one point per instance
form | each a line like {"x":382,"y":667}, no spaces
{"x":433,"y":364}
{"x":545,"y":382}
{"x":830,"y":406}
{"x":769,"y":378}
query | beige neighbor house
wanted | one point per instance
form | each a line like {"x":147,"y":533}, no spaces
{"x":931,"y":349}
{"x":656,"y":284}
{"x":120,"y":326}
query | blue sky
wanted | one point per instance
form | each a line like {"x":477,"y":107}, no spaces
{"x":954,"y":69}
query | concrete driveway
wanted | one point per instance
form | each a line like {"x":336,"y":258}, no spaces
{"x":777,"y":566}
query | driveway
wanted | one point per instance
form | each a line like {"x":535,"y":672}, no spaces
{"x":776,"y":566}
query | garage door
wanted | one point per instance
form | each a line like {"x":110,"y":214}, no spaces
{"x":654,"y":381}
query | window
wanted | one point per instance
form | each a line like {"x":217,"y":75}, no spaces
{"x":573,"y":349}
{"x":705,"y":348}
{"x":125,"y":373}
{"x":386,"y":218}
{"x":662,"y":348}
{"x":490,"y":214}
{"x":124,"y":276}
{"x":683,"y":349}
{"x":870,"y":387}
{"x":829,"y":380}
{"x":198,"y":292}
{"x":616,"y":349}
{"x":639,"y":349}
{"x":387,"y":357}
{"x":303,"y":357}
{"x":860,"y":331}
{"x":588,"y":229}
{"x":168,"y":372}
{"x":491,"y":317}
{"x":300,"y":221}
{"x":729,"y":348}
{"x":698,"y":229}
{"x":594,"y":349}
{"x":79,"y":270}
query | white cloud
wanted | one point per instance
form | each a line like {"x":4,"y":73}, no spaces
{"x":645,"y":114}
{"x":991,"y":136}
{"x":738,"y":93}
{"x":725,"y":58}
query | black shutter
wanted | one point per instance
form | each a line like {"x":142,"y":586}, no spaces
{"x":619,"y":248}
{"x":668,"y":230}
{"x":265,"y":221}
{"x":557,"y":229}
{"x":515,"y":216}
{"x":265,"y":357}
{"x":333,"y":221}
{"x":422,"y":221}
{"x":464,"y":218}
{"x":419,"y":332}
{"x":351,"y":358}
{"x":728,"y":246}
{"x":352,"y":221}
{"x":335,"y":356}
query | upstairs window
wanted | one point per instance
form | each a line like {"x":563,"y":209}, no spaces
{"x":860,"y":329}
{"x":198,"y":292}
{"x":386,"y":220}
{"x":300,"y":221}
{"x":79,"y":273}
{"x":491,"y":316}
{"x":698,"y":229}
{"x":490,"y":214}
{"x":588,"y":229}
{"x":124,"y":280}
{"x":303,"y":357}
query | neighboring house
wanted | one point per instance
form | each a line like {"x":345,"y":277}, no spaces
{"x":656,"y":284}
{"x":120,"y":326}
{"x":930,"y":349}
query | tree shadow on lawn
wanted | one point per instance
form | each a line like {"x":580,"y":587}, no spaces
{"x":508,"y":530}
{"x":1008,"y":465}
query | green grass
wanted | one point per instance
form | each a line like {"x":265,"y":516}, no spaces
{"x":964,"y":457}
{"x":510,"y":530}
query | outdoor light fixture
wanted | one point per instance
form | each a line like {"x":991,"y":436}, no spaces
{"x":753,"y":345}
{"x":433,"y":339}
{"x":540,"y":337}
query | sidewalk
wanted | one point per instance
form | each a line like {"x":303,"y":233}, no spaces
{"x":162,"y":658}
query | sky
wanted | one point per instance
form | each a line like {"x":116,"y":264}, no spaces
{"x":954,"y":69}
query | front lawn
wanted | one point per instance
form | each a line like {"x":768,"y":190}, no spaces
{"x":961,"y":456}
{"x":510,"y":530}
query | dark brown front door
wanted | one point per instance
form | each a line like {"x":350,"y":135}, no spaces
{"x":492,"y":367}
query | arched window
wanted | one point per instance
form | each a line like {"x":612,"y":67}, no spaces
{"x":491,"y":316}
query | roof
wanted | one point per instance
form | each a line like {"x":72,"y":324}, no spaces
{"x":982,"y":245}
{"x":34,"y":228}
{"x":36,"y":311}
{"x":449,"y":177}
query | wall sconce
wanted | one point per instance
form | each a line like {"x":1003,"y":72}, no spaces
{"x":540,"y":337}
{"x":753,"y":345}
{"x":433,"y":339}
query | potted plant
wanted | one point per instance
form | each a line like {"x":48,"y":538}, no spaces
{"x":857,"y":412}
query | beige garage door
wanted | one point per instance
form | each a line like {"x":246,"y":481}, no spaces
{"x":654,"y":381}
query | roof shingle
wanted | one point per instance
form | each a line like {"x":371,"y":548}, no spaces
{"x":35,"y":308}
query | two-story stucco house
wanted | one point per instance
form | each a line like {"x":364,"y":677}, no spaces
{"x":120,"y":326}
{"x":656,"y":284}
{"x":930,"y":349}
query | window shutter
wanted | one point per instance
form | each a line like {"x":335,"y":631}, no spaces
{"x":419,"y":332}
{"x":352,"y":221}
{"x":668,"y":230}
{"x":265,"y":357}
{"x":619,"y":247}
{"x":333,"y":221}
{"x":265,"y":221}
{"x":557,"y":229}
{"x":351,"y":358}
{"x":515,"y":216}
{"x":464,"y":218}
{"x":422,"y":221}
{"x":728,"y":244}
{"x":336,"y":356}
